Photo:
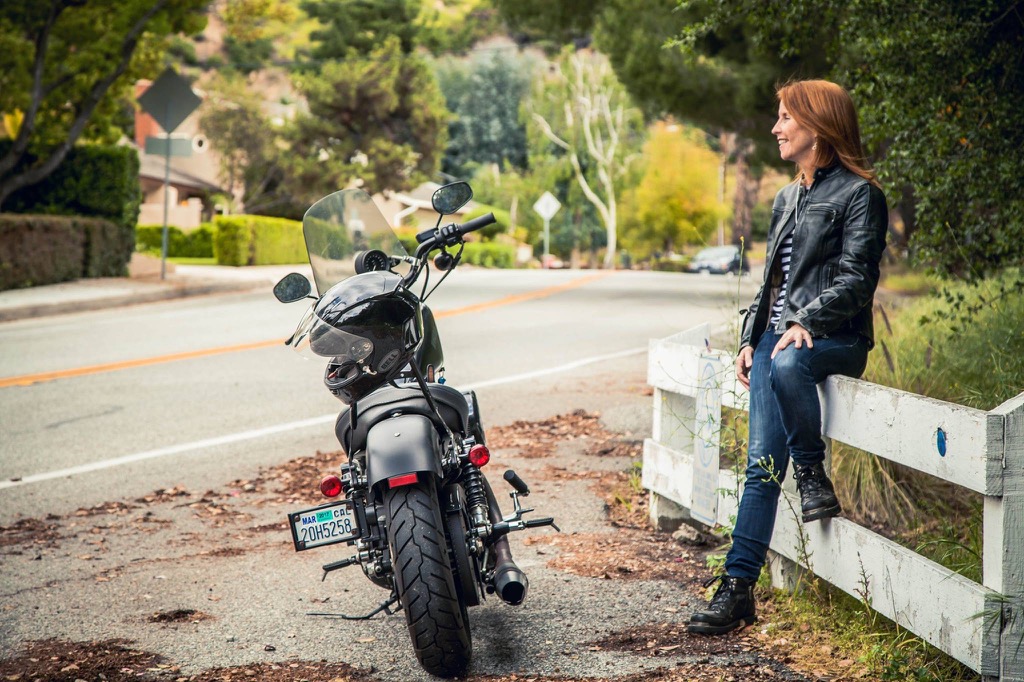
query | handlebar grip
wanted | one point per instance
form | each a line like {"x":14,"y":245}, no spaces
{"x":517,"y":483}
{"x":477,"y":223}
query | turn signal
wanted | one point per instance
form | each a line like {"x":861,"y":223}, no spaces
{"x":479,"y":455}
{"x":330,"y":486}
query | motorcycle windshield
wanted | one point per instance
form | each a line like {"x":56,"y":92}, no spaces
{"x":339,"y":226}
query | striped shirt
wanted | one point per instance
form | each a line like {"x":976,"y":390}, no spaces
{"x":786,"y":255}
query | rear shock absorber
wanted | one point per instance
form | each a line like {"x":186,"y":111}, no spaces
{"x":476,"y":497}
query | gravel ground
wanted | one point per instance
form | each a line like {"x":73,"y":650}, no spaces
{"x":204,"y":584}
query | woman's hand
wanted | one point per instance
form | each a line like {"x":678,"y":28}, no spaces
{"x":795,"y":334}
{"x":744,"y":361}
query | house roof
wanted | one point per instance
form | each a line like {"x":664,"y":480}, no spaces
{"x":421,"y":196}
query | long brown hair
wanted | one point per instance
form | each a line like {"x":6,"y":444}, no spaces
{"x":826,"y":109}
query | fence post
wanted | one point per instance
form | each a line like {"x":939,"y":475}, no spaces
{"x":674,"y":418}
{"x":1004,"y":546}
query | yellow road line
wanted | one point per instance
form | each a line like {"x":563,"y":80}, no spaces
{"x":29,"y":379}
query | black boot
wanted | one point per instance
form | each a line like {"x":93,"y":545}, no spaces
{"x":817,"y":496}
{"x":732,"y":607}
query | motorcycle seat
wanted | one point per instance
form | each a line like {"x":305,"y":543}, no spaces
{"x":390,"y":400}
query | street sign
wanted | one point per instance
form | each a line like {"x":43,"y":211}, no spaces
{"x":169,"y":100}
{"x":169,"y":146}
{"x":547,"y":206}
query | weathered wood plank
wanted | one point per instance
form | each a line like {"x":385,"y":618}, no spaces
{"x":903,"y":427}
{"x":929,"y":600}
{"x":669,"y":473}
{"x":899,"y":426}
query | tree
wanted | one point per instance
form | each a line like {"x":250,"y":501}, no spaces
{"x":724,"y":84}
{"x":485,"y":94}
{"x":375,"y":110}
{"x":249,"y":147}
{"x":676,"y":200}
{"x":68,"y":66}
{"x":361,"y":25}
{"x":597,"y":125}
{"x":940,"y":92}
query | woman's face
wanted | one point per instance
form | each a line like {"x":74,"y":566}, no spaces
{"x":795,"y":141}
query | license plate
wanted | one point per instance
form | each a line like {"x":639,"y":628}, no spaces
{"x":324,"y":525}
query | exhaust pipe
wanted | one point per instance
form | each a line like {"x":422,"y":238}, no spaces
{"x":510,"y":583}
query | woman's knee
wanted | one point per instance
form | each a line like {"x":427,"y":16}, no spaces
{"x":788,"y":369}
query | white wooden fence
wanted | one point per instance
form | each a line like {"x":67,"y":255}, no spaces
{"x":979,"y":625}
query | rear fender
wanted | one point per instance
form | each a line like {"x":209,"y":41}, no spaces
{"x":404,"y":444}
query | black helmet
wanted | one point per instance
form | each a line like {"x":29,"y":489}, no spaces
{"x":368,"y":327}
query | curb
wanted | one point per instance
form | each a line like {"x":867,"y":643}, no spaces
{"x":167,"y":294}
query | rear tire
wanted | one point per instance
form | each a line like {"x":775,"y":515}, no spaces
{"x":437,"y":621}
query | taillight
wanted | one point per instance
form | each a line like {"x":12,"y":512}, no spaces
{"x":479,"y":455}
{"x":330,"y":486}
{"x":404,"y":479}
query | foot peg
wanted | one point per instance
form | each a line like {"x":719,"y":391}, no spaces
{"x":514,"y":521}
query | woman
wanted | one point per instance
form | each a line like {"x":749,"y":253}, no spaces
{"x":811,"y":318}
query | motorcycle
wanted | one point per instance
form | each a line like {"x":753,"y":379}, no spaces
{"x":411,"y":499}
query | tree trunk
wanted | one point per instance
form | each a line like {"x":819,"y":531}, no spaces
{"x":747,"y":187}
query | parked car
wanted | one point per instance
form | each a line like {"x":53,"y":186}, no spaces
{"x":721,"y":260}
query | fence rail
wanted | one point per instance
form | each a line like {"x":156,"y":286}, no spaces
{"x":981,"y":625}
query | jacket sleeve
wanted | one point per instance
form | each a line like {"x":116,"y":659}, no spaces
{"x":747,"y":330}
{"x":866,"y":225}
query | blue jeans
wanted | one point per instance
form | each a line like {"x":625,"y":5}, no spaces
{"x":785,"y":422}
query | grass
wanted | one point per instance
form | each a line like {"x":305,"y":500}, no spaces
{"x":834,"y":630}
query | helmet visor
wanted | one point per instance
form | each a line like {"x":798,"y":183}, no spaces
{"x":318,"y":338}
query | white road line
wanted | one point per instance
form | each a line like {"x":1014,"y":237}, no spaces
{"x":290,"y":426}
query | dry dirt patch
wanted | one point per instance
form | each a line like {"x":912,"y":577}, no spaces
{"x":116,"y":661}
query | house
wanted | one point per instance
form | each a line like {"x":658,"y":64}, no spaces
{"x":194,"y":179}
{"x":413,"y":208}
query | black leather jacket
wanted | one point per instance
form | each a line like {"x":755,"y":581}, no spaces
{"x":837,"y":246}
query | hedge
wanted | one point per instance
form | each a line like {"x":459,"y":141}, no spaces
{"x":490,"y":254}
{"x":97,"y":181}
{"x":44,"y":249}
{"x":258,"y":240}
{"x":197,"y":243}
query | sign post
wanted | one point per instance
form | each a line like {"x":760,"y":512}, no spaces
{"x":169,"y":100}
{"x":547,"y":206}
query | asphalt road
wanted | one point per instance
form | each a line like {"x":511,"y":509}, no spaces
{"x":216,"y":413}
{"x":93,"y":556}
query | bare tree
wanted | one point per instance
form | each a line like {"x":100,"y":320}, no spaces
{"x":595,"y":121}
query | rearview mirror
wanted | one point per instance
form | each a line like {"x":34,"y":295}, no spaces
{"x":292,"y":287}
{"x":450,"y":198}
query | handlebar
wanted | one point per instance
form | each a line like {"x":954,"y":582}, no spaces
{"x":449,"y":235}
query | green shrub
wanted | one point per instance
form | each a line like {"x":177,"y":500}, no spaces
{"x":490,"y":254}
{"x":503,"y":220}
{"x":197,"y":243}
{"x":232,"y":243}
{"x":45,"y":249}
{"x":257,"y":240}
{"x":95,"y":181}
